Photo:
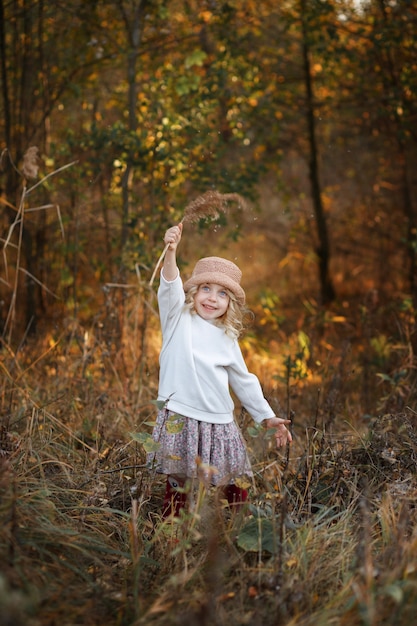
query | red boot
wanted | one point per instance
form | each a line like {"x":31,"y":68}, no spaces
{"x":235,"y":496}
{"x":174,"y":500}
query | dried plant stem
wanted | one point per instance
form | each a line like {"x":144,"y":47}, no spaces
{"x":12,"y":308}
{"x":30,"y":170}
{"x":208,"y":205}
{"x":161,"y":258}
{"x":40,"y":182}
{"x":281,"y":531}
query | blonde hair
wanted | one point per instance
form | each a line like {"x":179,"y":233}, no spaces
{"x":233,"y":321}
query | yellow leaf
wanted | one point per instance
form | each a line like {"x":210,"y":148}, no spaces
{"x":206,"y":16}
{"x":242,"y":483}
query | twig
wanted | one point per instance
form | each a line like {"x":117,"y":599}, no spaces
{"x":29,"y":170}
{"x":22,"y":269}
{"x":121,"y":469}
{"x":40,"y":182}
{"x":161,"y":258}
{"x":12,"y":307}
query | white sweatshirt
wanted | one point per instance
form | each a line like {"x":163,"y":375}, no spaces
{"x":199,"y":362}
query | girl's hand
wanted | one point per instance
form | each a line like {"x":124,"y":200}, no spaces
{"x":282,"y":434}
{"x":173,"y":236}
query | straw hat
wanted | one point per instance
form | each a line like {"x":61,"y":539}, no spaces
{"x":222,"y":272}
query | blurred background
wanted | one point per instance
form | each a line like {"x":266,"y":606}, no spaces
{"x":115,"y":115}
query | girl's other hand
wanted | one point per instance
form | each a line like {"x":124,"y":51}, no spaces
{"x":282,"y":434}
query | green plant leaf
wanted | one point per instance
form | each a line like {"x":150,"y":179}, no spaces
{"x":146,"y":440}
{"x":258,"y":535}
{"x":175,"y":424}
{"x":253,"y":431}
{"x":159,"y":404}
{"x":197,"y":57}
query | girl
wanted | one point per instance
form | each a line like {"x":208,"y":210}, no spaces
{"x":200,"y":359}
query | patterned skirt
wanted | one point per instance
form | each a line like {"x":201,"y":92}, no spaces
{"x":215,"y":453}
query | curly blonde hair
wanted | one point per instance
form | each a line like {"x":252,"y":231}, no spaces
{"x":233,"y":321}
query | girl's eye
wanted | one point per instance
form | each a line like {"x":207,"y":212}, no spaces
{"x":205,"y":288}
{"x":223,"y":294}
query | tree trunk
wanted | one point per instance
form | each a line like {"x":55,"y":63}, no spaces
{"x":323,"y":248}
{"x":133,"y":22}
{"x":4,"y":78}
{"x":411,"y":237}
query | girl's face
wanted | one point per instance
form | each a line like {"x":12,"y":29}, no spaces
{"x":211,"y":301}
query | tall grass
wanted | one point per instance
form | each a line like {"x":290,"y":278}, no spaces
{"x":329,"y":537}
{"x":330,"y":533}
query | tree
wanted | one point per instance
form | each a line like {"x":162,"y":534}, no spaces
{"x":158,"y":101}
{"x":39,"y":66}
{"x":323,"y":249}
{"x":392,"y":33}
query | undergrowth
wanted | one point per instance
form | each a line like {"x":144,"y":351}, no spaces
{"x":329,"y":536}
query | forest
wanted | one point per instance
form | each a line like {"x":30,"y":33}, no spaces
{"x":115,"y":115}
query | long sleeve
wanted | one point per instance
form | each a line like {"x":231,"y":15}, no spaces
{"x":248,"y":389}
{"x":199,"y":364}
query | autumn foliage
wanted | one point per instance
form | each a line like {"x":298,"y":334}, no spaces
{"x":117,"y":117}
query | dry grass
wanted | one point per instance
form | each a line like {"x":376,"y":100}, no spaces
{"x":330,"y":537}
{"x":211,"y":205}
{"x":12,"y":244}
{"x":330,"y":534}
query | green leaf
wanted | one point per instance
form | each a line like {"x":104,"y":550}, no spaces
{"x":195,"y":58}
{"x":175,"y":424}
{"x":159,"y":404}
{"x":146,"y":440}
{"x":395,"y":592}
{"x":258,"y":535}
{"x":186,"y":84}
{"x":253,"y":431}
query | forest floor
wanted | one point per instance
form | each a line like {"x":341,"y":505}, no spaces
{"x":329,"y":536}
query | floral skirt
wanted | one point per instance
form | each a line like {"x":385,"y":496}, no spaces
{"x":189,"y":448}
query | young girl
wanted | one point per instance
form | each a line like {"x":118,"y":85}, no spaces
{"x":200,"y":359}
